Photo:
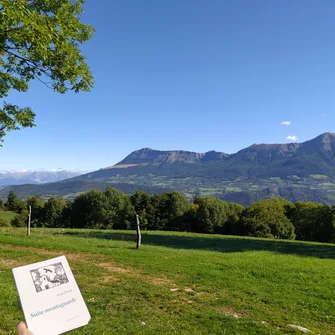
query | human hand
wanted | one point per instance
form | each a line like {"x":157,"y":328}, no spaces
{"x":23,"y":330}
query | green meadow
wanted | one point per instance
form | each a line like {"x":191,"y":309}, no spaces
{"x":7,"y":216}
{"x":181,"y":283}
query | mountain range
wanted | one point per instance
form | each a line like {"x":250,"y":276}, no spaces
{"x":295,"y":171}
{"x":36,"y":177}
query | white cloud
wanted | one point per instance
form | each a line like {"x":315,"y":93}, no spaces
{"x":291,"y":137}
{"x":286,"y":123}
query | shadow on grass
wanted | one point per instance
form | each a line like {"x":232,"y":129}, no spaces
{"x":221,"y":244}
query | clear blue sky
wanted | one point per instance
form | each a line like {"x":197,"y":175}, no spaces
{"x":195,"y":75}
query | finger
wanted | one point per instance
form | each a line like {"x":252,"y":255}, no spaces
{"x":21,"y":328}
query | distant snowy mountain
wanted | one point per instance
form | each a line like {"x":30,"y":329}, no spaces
{"x":18,"y":177}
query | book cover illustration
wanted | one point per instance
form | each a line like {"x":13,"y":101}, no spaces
{"x":50,"y":297}
{"x":47,"y":277}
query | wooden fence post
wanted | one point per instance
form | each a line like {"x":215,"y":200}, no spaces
{"x":138,"y":244}
{"x":29,"y":219}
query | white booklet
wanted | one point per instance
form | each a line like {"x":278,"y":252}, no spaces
{"x":50,"y":297}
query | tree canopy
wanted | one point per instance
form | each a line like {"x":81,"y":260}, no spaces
{"x":211,"y":215}
{"x":313,"y":222}
{"x":40,"y":39}
{"x":266,"y":218}
{"x":13,"y":202}
{"x":173,"y":211}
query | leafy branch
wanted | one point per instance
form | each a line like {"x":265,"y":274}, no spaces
{"x":39,"y":40}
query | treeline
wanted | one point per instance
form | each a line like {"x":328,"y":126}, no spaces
{"x":275,"y":218}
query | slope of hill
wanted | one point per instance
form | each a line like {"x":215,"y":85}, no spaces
{"x":296,"y":171}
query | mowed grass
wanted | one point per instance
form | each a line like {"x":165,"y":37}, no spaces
{"x":180,"y":283}
{"x":7,"y":216}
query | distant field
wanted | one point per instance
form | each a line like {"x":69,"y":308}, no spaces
{"x":180,"y":283}
{"x":7,"y":215}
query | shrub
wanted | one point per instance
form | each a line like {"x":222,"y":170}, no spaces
{"x":20,"y":220}
{"x":4,"y":223}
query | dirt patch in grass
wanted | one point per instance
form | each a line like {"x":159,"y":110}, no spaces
{"x":108,"y":279}
{"x":230,"y":311}
{"x":161,"y":281}
{"x":19,"y":247}
{"x":10,"y":263}
{"x":113,"y":268}
{"x":205,"y":294}
{"x":71,"y":256}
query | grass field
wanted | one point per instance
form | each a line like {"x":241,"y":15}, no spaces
{"x":182,"y":283}
{"x":8,"y":216}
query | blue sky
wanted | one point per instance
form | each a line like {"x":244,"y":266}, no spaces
{"x":195,"y":75}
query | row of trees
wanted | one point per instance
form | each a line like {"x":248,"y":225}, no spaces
{"x":173,"y":211}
